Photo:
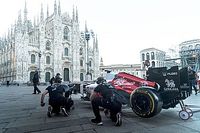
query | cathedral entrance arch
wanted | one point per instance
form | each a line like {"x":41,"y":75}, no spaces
{"x":47,"y":76}
{"x":66,"y":74}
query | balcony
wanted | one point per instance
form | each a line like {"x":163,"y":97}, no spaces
{"x":67,"y":59}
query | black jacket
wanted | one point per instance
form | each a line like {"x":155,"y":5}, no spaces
{"x":36,"y":78}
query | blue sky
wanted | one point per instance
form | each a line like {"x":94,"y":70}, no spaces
{"x":123,"y":27}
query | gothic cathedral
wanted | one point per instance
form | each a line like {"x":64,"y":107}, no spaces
{"x":51,"y":44}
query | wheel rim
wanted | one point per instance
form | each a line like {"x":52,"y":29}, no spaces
{"x":184,"y":115}
{"x":142,"y":104}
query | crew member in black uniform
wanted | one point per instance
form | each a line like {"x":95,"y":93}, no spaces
{"x":192,"y":79}
{"x":36,"y":82}
{"x":103,"y":95}
{"x":57,"y":99}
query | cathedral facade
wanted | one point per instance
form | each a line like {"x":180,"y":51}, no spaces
{"x":51,"y":44}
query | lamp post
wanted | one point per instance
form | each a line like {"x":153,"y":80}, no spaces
{"x":87,"y":38}
{"x":39,"y":54}
{"x":22,"y":69}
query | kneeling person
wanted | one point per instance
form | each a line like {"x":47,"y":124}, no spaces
{"x":57,"y":99}
{"x":103,"y":95}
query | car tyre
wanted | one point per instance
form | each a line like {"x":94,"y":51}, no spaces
{"x":146,"y":102}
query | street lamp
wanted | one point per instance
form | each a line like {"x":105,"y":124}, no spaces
{"x":87,"y":38}
{"x":39,"y":54}
{"x":22,"y":69}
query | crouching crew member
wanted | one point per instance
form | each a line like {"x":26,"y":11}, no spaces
{"x":103,"y":95}
{"x":57,"y":99}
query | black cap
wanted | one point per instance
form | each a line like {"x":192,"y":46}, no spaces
{"x":100,"y":80}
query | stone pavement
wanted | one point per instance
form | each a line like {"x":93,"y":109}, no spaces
{"x":20,"y":112}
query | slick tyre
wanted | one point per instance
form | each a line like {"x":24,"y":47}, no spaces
{"x":146,"y":102}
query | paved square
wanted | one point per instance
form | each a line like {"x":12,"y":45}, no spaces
{"x":20,"y":112}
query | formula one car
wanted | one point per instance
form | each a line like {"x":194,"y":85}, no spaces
{"x":163,"y":89}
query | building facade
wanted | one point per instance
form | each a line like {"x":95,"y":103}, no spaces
{"x":134,"y":69}
{"x":190,"y":54}
{"x":52,"y":44}
{"x":152,"y":57}
{"x":172,"y":58}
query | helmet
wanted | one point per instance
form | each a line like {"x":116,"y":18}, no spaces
{"x":58,"y":74}
{"x":58,"y":79}
{"x":100,"y":80}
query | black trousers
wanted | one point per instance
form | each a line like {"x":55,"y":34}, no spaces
{"x":114,"y":107}
{"x":58,"y":102}
{"x":69,"y":104}
{"x":193,"y":84}
{"x":36,"y":88}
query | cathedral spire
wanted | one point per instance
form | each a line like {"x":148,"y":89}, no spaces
{"x":9,"y":33}
{"x":37,"y":20}
{"x":47,"y":11}
{"x":5,"y":38}
{"x":34,"y":22}
{"x":86,"y":29}
{"x":59,"y":9}
{"x":55,"y":8}
{"x":96,"y":42}
{"x":101,"y":62}
{"x":41,"y":14}
{"x":73,"y":14}
{"x":15,"y":26}
{"x":76,"y":14}
{"x":25,"y":13}
{"x":19,"y":21}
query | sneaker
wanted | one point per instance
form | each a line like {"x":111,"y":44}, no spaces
{"x":107,"y":113}
{"x":64,"y":112}
{"x":113,"y":118}
{"x":49,"y":113}
{"x":72,"y":107}
{"x":33,"y":93}
{"x":99,"y":123}
{"x":119,"y":119}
